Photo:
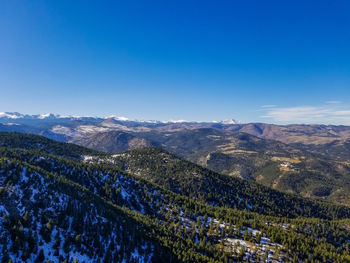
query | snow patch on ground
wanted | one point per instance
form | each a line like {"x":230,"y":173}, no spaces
{"x":24,"y":177}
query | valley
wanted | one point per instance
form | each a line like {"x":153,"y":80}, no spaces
{"x":309,"y":160}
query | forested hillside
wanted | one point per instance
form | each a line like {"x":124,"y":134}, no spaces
{"x":316,"y":171}
{"x":115,"y":208}
{"x":36,"y":142}
{"x":189,"y":179}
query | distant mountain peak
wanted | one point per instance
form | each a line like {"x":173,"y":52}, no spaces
{"x":175,"y":121}
{"x":11,"y":115}
{"x":229,"y":121}
{"x":118,"y":118}
{"x":48,"y":116}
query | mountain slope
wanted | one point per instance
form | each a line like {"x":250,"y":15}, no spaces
{"x":115,"y":141}
{"x":56,"y":219}
{"x":189,"y":179}
{"x":157,"y":224}
{"x":289,"y":168}
{"x":36,"y":142}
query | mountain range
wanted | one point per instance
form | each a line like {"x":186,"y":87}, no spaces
{"x":309,"y":160}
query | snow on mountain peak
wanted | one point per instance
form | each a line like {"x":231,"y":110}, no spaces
{"x":175,"y":121}
{"x":51,"y":116}
{"x":48,"y":115}
{"x":120,"y":118}
{"x":230,"y":121}
{"x":11,"y":115}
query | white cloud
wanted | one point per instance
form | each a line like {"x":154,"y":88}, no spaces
{"x":342,"y":112}
{"x":330,"y":113}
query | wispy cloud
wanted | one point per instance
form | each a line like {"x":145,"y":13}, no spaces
{"x":329,"y":113}
{"x":269,"y":106}
{"x":333,"y":102}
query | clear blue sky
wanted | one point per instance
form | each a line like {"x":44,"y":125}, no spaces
{"x":193,"y":60}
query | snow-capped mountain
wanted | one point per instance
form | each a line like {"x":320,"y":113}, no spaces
{"x":50,"y":116}
{"x":45,"y":116}
{"x":11,"y":115}
{"x":17,"y":115}
{"x":230,"y":121}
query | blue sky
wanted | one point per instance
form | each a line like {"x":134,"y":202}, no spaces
{"x":269,"y":61}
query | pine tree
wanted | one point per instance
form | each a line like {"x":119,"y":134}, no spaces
{"x":40,"y":258}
